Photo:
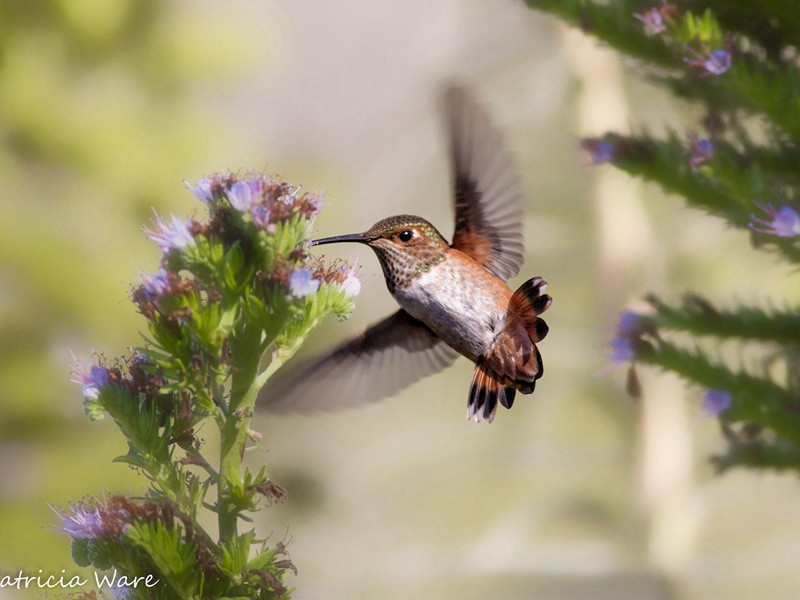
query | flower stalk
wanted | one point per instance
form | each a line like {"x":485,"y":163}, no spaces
{"x":233,"y":435}
{"x":738,"y":62}
{"x":227,"y":289}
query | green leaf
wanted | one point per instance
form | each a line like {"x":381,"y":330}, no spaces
{"x":80,"y":552}
{"x":174,"y":558}
{"x":263,"y":559}
{"x":99,"y":554}
{"x":132,"y":460}
{"x":235,"y":552}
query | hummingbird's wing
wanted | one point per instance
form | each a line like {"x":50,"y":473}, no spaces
{"x":387,"y":357}
{"x":487,"y":190}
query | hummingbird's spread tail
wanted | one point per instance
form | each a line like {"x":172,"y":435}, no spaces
{"x":514,"y":362}
{"x":486,"y":391}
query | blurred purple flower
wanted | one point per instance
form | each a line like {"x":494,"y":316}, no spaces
{"x":784,"y":222}
{"x":139,"y":358}
{"x":171,"y":236}
{"x":700,"y":151}
{"x":156,"y":284}
{"x":716,"y":402}
{"x":653,"y":21}
{"x":243,"y":194}
{"x":316,"y":206}
{"x":82,"y":523}
{"x":260,"y":215}
{"x":628,"y":330}
{"x":92,"y":381}
{"x":629,"y":325}
{"x":202,"y":190}
{"x":621,"y":351}
{"x":120,"y":592}
{"x":302,"y":284}
{"x":712,"y":63}
{"x":600,"y":152}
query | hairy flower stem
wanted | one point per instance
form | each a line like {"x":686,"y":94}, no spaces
{"x":244,"y":387}
{"x":278,"y":358}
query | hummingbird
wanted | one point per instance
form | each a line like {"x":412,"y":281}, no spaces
{"x":453,"y":296}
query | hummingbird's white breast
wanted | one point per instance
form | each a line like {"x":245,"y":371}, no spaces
{"x":465,"y":307}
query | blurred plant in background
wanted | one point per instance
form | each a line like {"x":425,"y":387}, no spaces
{"x":230,"y":290}
{"x":739,"y":61}
{"x":98,"y":113}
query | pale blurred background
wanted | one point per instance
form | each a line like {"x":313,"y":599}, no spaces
{"x":576,"y":494}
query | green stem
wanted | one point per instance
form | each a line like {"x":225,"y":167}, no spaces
{"x":282,"y":354}
{"x":245,"y":356}
{"x":277,"y":361}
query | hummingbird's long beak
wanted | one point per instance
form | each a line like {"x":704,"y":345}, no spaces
{"x":352,"y":237}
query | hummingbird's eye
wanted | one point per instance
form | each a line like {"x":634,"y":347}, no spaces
{"x":406,"y":235}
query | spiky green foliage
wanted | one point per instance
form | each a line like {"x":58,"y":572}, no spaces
{"x":738,"y":60}
{"x":234,"y":292}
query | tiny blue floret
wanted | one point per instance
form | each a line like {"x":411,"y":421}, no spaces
{"x":302,"y":284}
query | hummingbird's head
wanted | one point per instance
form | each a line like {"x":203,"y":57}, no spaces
{"x":407,"y":246}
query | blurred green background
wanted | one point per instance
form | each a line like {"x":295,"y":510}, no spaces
{"x":578,"y":493}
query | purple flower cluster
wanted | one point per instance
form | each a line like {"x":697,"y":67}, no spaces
{"x":260,"y":215}
{"x":654,"y":21}
{"x":630,"y":328}
{"x":781,"y":222}
{"x":621,"y":351}
{"x":92,"y":380}
{"x":263,"y":200}
{"x":155,"y":284}
{"x":715,"y":62}
{"x":120,"y":592}
{"x":656,"y":18}
{"x":172,"y":235}
{"x":303,"y":281}
{"x":244,"y":194}
{"x":235,"y":204}
{"x":700,"y":150}
{"x":107,"y":519}
{"x":629,"y":325}
{"x":202,"y":190}
{"x":716,"y":402}
{"x":135,"y":374}
{"x":600,"y":152}
{"x":82,"y":523}
{"x":306,"y":281}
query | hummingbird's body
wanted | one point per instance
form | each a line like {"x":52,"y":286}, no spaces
{"x":453,"y":297}
{"x":460,"y":301}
